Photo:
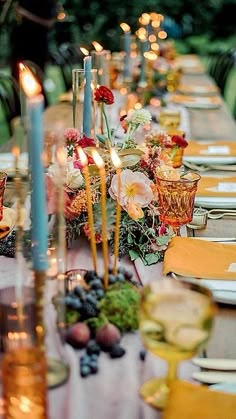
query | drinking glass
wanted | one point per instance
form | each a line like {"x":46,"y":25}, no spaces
{"x":3,"y":180}
{"x":169,"y":118}
{"x":78,"y":90}
{"x":176,"y":198}
{"x":175,"y":320}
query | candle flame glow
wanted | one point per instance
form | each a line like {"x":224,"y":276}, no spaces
{"x":82,"y":156}
{"x":97,"y":159}
{"x":125,"y":27}
{"x":98,"y":47}
{"x":84,"y":51}
{"x":28,"y":81}
{"x":115,"y":159}
{"x":150,"y":55}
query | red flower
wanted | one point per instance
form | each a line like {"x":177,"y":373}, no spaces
{"x":86,"y":229}
{"x":179,"y":141}
{"x":104,"y":95}
{"x":86,"y":142}
{"x":123,"y":123}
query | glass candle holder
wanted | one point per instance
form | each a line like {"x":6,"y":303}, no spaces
{"x":84,"y":106}
{"x":24,"y":367}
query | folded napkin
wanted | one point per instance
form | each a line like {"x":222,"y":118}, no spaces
{"x":189,"y":400}
{"x":198,"y":258}
{"x":206,"y":100}
{"x":211,"y":148}
{"x":217,"y":186}
{"x":197,"y":89}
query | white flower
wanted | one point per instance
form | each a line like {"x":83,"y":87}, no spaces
{"x":135,"y":187}
{"x":72,"y":176}
{"x":139,"y":117}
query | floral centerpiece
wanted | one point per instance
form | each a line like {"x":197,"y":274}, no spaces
{"x":141,"y":233}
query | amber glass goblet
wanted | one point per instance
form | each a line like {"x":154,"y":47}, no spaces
{"x":176,"y":198}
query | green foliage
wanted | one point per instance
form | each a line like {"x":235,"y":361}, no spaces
{"x":120,"y":306}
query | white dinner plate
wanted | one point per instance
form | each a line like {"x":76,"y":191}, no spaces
{"x":223,"y":290}
{"x":217,"y":364}
{"x":7,"y":163}
{"x":225,"y":387}
{"x":210,"y":159}
{"x":213,"y":377}
{"x":214,"y":202}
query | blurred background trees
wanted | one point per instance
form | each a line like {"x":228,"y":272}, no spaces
{"x":200,"y":26}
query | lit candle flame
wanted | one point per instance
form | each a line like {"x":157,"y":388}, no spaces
{"x":84,"y":51}
{"x":115,"y":159}
{"x":98,"y":159}
{"x":125,"y":27}
{"x":162,"y":35}
{"x":150,"y":55}
{"x":98,"y":47}
{"x":82,"y":156}
{"x":28,"y":81}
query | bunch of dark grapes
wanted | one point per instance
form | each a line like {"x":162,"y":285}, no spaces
{"x":82,"y":303}
{"x":7,"y":245}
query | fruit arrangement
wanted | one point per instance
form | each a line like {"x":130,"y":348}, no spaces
{"x":97,"y":318}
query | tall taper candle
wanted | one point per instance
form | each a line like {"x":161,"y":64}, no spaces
{"x":101,"y":166}
{"x":39,"y":231}
{"x":87,"y":108}
{"x":142,"y":76}
{"x":127,"y":33}
{"x":85,"y":171}
{"x":117,"y":164}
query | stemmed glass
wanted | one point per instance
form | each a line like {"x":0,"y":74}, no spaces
{"x":175,"y":320}
{"x":176,"y":198}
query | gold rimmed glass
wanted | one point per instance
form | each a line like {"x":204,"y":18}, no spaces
{"x":175,"y":321}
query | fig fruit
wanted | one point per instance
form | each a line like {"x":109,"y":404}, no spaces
{"x":78,"y":335}
{"x":107,"y":335}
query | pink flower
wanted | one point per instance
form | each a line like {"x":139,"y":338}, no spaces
{"x":71,"y":135}
{"x":135,"y":187}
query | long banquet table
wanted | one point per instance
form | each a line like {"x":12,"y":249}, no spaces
{"x":114,"y":391}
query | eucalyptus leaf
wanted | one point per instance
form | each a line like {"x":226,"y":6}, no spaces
{"x":129,"y":160}
{"x":152,"y":258}
{"x":101,"y":138}
{"x":133,"y":255}
{"x":130,"y":151}
{"x":162,"y":240}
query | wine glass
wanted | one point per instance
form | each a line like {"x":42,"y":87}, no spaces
{"x":176,"y":198}
{"x":175,"y":320}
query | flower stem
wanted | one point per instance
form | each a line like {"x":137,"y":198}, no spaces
{"x":106,"y":122}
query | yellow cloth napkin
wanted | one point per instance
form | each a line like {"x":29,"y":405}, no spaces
{"x":199,"y":258}
{"x":208,"y":186}
{"x":211,"y":100}
{"x":196,"y":148}
{"x":191,"y":401}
